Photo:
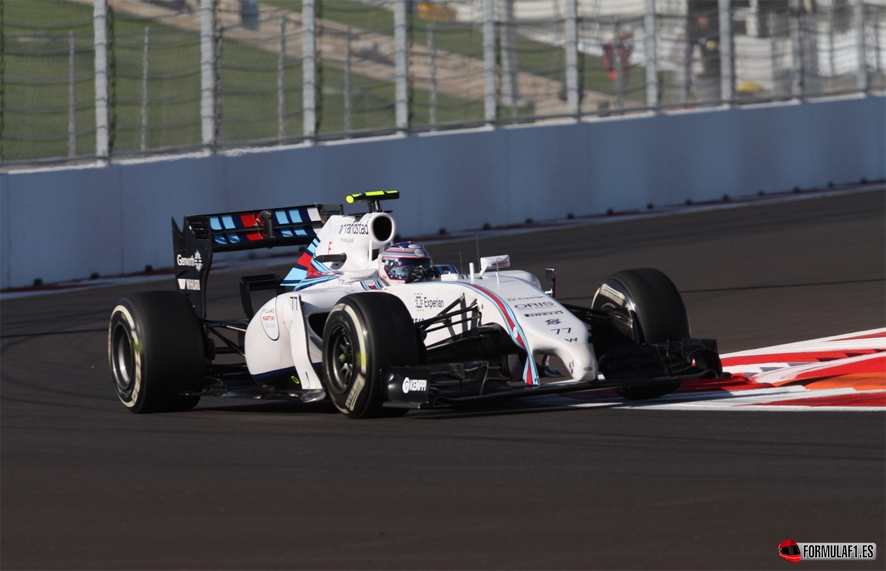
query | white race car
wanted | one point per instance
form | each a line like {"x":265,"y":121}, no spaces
{"x":379,"y":329}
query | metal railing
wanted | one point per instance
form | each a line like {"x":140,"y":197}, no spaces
{"x":105,"y":79}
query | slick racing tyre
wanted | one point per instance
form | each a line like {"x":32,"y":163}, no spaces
{"x":155,"y":351}
{"x":364,"y":334}
{"x":651,"y":307}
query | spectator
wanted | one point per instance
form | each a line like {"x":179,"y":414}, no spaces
{"x":624,"y":44}
{"x":704,"y":33}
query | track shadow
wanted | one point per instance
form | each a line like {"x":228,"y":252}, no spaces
{"x":267,"y":406}
{"x":326,"y":407}
{"x":755,"y":288}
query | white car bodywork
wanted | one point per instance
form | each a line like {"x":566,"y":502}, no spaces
{"x":342,"y":260}
{"x":339,"y":325}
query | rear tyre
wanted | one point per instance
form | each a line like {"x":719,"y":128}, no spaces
{"x":364,"y":334}
{"x":650,"y":309}
{"x":156,"y":352}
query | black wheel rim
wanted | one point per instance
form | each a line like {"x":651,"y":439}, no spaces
{"x":628,"y":316}
{"x":124,"y":359}
{"x":341,"y":359}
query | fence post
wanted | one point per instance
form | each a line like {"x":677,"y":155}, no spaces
{"x":752,"y":24}
{"x":309,"y":69}
{"x":489,"y":61}
{"x":777,"y":77}
{"x":796,"y":34}
{"x":401,"y":68}
{"x":145,"y":62}
{"x":509,"y":69}
{"x":3,"y":83}
{"x":219,"y":110}
{"x":832,"y":60}
{"x":649,"y":47}
{"x":727,"y":57}
{"x":619,"y":66}
{"x":281,"y":82}
{"x":573,"y":99}
{"x":862,"y":59}
{"x":348,"y":80}
{"x":809,"y":25}
{"x":686,"y":62}
{"x":432,"y":64}
{"x":207,"y":74}
{"x":102,"y":86}
{"x":72,"y":96}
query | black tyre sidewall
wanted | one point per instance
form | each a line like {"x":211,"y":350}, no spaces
{"x":167,"y":345}
{"x":380,"y":329}
{"x":658,"y":305}
{"x":354,"y":397}
{"x":658,"y":311}
{"x":124,"y":330}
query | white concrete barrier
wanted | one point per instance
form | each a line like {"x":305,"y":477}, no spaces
{"x":68,"y":223}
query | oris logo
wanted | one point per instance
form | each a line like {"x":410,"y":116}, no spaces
{"x":195,"y":261}
{"x":534,"y":305}
{"x":414,"y":385}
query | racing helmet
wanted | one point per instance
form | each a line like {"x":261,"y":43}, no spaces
{"x":399,"y":260}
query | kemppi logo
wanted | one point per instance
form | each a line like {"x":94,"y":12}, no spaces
{"x":414,"y":385}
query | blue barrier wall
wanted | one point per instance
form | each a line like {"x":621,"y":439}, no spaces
{"x":68,"y":223}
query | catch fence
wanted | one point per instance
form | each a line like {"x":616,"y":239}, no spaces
{"x":87,"y":79}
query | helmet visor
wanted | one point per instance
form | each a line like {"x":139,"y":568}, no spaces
{"x":399,"y":269}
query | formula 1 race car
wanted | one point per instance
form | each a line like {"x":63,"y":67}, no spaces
{"x":379,"y":329}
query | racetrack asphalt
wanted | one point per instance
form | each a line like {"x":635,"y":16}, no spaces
{"x":254,"y":485}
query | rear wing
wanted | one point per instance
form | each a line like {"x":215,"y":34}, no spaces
{"x":202,"y":235}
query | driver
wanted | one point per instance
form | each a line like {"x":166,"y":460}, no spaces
{"x":405,"y":262}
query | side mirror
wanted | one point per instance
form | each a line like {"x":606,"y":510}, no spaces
{"x":551,"y":275}
{"x":494,"y":263}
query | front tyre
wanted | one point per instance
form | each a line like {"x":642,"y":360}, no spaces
{"x":156,"y":352}
{"x":647,"y":308}
{"x":366,"y":333}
